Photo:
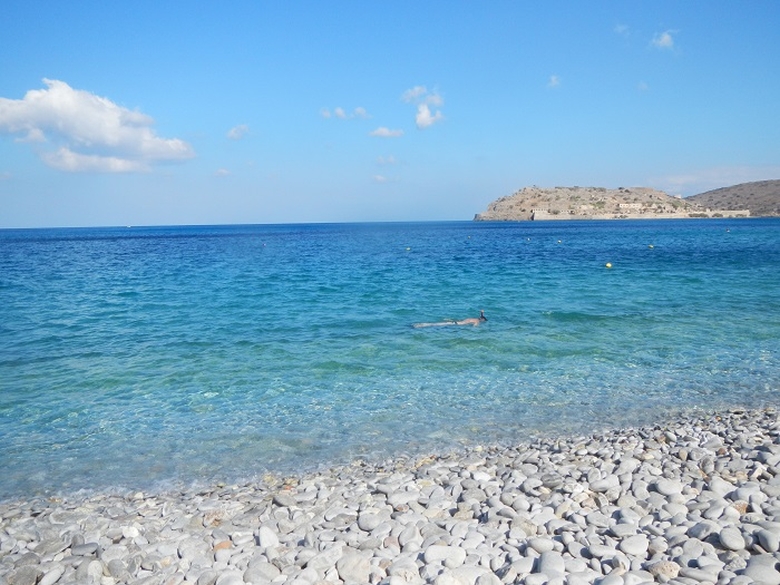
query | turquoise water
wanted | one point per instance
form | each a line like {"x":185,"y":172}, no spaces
{"x":141,"y":357}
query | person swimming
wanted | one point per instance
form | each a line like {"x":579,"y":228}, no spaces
{"x":470,"y":321}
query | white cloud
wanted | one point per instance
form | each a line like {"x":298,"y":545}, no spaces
{"x":424,"y":99}
{"x":88,"y":132}
{"x":554,"y":81}
{"x":64,"y":159}
{"x":384,"y":132}
{"x":383,"y":179}
{"x":419,"y":94}
{"x":238,"y":132}
{"x":622,"y":30}
{"x":412,"y":95}
{"x":342,"y":114}
{"x":386,"y":160}
{"x":424,"y":118}
{"x":434,"y":99}
{"x":33,"y":135}
{"x":222,"y":173}
{"x":664,"y":40}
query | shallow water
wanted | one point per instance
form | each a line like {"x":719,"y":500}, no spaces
{"x":134,"y":357}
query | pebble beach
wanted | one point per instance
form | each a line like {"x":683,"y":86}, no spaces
{"x":693,"y":500}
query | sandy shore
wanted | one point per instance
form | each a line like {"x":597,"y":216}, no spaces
{"x":696,"y":500}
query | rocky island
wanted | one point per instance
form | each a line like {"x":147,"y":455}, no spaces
{"x":536,"y":203}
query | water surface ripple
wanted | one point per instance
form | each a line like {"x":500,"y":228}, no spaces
{"x":133,"y":357}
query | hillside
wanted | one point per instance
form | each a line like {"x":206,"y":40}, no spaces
{"x":762,"y":198}
{"x":535,"y":203}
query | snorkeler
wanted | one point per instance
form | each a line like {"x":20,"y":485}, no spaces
{"x":470,"y":321}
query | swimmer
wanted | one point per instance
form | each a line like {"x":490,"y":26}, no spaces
{"x":470,"y":321}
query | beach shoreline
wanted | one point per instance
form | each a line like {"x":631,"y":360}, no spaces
{"x":696,"y":498}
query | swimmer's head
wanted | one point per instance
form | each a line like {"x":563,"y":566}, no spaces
{"x":482,"y":316}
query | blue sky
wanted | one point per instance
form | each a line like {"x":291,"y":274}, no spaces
{"x":148,"y":113}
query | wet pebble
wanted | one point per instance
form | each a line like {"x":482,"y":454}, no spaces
{"x":694,"y":500}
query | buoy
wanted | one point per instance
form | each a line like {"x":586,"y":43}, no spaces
{"x":407,"y":249}
{"x":651,"y":246}
{"x":608,"y":265}
{"x":559,"y":241}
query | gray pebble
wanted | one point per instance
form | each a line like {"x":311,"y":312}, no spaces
{"x":551,"y":564}
{"x":25,"y":575}
{"x":267,"y":538}
{"x":769,"y":540}
{"x":627,"y":507}
{"x":451,"y":556}
{"x":285,"y":500}
{"x":764,"y":569}
{"x":52,"y":575}
{"x":731,"y":538}
{"x":541,"y":545}
{"x":634,"y":545}
{"x":354,"y":568}
{"x":668,"y":487}
{"x":230,"y":578}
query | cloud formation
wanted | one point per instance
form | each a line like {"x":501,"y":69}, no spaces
{"x":622,"y":30}
{"x":342,"y":114}
{"x":554,"y":82}
{"x":384,"y":132}
{"x":86,"y":132}
{"x":425,"y":118}
{"x":238,"y":132}
{"x":384,"y":179}
{"x":414,"y":94}
{"x":424,"y":99}
{"x":664,"y":40}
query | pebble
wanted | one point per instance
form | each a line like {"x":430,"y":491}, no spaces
{"x":451,"y":556}
{"x":764,"y":569}
{"x":541,"y":545}
{"x":696,"y":499}
{"x":634,"y":545}
{"x":664,"y":568}
{"x":354,"y":568}
{"x":768,"y":539}
{"x":551,"y":564}
{"x":731,"y":538}
{"x":266,"y":537}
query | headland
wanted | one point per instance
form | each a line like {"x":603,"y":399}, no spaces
{"x":565,"y":203}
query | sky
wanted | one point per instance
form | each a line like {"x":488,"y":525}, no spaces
{"x":253,"y":112}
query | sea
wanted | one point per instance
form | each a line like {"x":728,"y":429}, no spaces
{"x":159,"y":357}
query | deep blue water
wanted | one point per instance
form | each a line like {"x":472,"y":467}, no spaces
{"x":140,"y":357}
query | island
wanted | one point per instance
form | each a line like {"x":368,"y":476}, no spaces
{"x":537,"y":203}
